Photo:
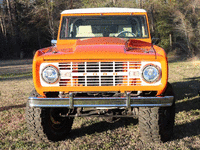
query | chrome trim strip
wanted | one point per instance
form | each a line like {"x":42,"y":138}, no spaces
{"x":101,"y":101}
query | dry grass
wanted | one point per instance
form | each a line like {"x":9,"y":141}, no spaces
{"x":15,"y":66}
{"x":95,"y":133}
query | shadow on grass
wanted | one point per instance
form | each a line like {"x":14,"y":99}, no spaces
{"x":188,"y":105}
{"x":187,"y":129}
{"x":101,"y":127}
{"x":187,"y":92}
{"x":186,"y":89}
{"x":187,"y":97}
{"x":11,"y":107}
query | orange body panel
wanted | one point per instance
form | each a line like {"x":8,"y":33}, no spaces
{"x":100,"y":49}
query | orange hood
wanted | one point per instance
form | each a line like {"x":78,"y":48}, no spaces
{"x":101,"y":48}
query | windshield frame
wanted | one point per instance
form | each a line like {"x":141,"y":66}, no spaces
{"x":66,"y":21}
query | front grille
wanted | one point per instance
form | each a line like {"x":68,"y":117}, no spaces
{"x":98,"y":73}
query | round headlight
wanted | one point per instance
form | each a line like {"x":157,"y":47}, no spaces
{"x":151,"y":73}
{"x":50,"y":74}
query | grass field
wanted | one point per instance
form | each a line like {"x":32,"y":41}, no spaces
{"x":95,"y":133}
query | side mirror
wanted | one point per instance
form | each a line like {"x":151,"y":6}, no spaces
{"x":154,"y":40}
{"x":53,"y":42}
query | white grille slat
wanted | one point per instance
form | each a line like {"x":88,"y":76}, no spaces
{"x":99,"y":73}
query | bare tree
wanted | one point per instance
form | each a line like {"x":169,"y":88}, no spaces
{"x":184,"y":26}
{"x":2,"y":23}
{"x":10,"y":16}
{"x":49,"y":8}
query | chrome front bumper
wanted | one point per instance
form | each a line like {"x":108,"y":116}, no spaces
{"x":127,"y":101}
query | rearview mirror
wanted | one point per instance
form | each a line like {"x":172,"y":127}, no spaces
{"x":53,"y":42}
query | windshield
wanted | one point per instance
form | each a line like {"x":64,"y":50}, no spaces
{"x":104,"y":26}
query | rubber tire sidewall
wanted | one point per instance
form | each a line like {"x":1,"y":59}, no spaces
{"x":39,"y":123}
{"x":152,"y":125}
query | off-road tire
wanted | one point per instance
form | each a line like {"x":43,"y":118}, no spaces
{"x":156,"y":123}
{"x":45,"y":127}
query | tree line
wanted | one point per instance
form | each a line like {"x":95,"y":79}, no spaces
{"x":28,"y":25}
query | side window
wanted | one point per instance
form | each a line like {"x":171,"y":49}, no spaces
{"x":144,"y":27}
{"x":64,"y":28}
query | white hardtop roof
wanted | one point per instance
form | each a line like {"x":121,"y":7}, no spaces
{"x":102,"y":10}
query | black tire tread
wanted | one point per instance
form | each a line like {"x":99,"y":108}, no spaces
{"x":38,"y":127}
{"x":151,"y":122}
{"x":34,"y":122}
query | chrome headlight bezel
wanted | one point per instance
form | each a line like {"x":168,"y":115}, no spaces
{"x":155,"y":77}
{"x":52,"y":77}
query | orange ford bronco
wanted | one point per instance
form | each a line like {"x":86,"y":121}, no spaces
{"x":103,"y":63}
